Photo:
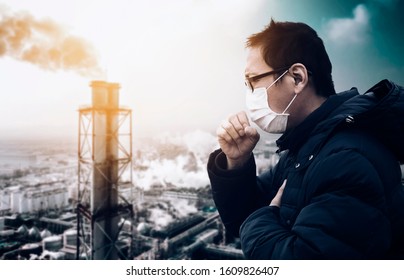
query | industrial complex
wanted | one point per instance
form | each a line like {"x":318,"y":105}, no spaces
{"x":91,"y":208}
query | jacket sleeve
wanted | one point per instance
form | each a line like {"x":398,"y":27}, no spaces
{"x":343,"y":219}
{"x":237,"y":193}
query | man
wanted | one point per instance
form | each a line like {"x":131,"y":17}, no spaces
{"x":336,"y":191}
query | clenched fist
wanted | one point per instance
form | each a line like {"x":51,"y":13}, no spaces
{"x":237,"y":139}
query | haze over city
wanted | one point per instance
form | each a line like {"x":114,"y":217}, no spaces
{"x":180,"y":63}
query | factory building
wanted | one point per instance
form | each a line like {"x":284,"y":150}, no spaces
{"x":31,"y":199}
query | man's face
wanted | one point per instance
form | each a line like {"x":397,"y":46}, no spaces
{"x":279,"y":95}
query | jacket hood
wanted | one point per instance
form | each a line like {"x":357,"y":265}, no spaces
{"x":384,"y":116}
{"x":379,"y":111}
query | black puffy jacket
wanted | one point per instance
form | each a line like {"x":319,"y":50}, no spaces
{"x":343,"y":199}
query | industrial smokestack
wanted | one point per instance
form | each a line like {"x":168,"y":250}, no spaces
{"x":104,"y":198}
{"x":45,"y":44}
{"x":105,"y":102}
{"x":104,"y":128}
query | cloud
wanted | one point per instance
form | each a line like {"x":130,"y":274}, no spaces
{"x":347,"y":31}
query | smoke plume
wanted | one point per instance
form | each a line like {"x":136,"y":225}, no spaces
{"x":45,"y":44}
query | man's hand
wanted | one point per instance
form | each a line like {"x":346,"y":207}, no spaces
{"x":276,"y":201}
{"x":237,"y":139}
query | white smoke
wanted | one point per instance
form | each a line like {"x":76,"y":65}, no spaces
{"x":168,"y":211}
{"x":181,"y":164}
{"x":183,"y":208}
{"x":160,"y":217}
{"x":200,"y":143}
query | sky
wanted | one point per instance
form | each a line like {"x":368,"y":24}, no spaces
{"x":179,"y":63}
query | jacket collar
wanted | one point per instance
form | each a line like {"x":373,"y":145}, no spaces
{"x":294,"y":139}
{"x":380,"y":112}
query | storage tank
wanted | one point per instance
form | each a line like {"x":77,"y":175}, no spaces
{"x":70,"y":238}
{"x":52,"y":243}
{"x":34,"y":234}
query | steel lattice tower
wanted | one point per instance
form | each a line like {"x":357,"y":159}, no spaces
{"x":104,"y":176}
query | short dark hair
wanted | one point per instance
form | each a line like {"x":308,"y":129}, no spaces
{"x":286,"y":43}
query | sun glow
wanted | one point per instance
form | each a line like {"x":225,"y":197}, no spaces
{"x":172,"y":58}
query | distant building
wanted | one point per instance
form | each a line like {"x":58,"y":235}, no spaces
{"x":179,"y":195}
{"x":19,"y":199}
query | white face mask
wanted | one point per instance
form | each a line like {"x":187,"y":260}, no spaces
{"x":260,"y":112}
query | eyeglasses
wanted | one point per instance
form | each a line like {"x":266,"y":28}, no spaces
{"x":250,"y":80}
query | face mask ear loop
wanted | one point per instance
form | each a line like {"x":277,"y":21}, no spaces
{"x":283,"y":74}
{"x":290,"y":103}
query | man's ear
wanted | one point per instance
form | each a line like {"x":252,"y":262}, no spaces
{"x":300,"y":75}
{"x":297,"y":78}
